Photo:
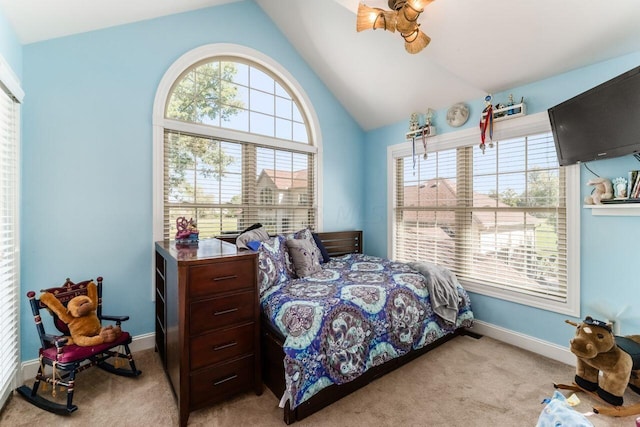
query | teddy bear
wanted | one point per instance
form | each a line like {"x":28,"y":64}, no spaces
{"x":599,"y":351}
{"x":602,"y":191}
{"x":80,"y":317}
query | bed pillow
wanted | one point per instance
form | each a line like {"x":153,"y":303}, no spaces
{"x":304,"y":255}
{"x":323,"y":250}
{"x":306,"y":234}
{"x":271,"y":263}
{"x":254,"y":235}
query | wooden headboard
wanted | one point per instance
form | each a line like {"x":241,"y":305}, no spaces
{"x":336,"y":242}
{"x":342,"y":242}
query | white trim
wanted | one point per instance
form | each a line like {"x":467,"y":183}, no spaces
{"x":391,"y":196}
{"x":29,"y":368}
{"x":234,"y":135}
{"x":526,"y":125}
{"x":17,"y":225}
{"x":526,"y":342}
{"x":9,"y":81}
{"x":160,"y":122}
{"x":630,"y":209}
{"x":572,"y":176}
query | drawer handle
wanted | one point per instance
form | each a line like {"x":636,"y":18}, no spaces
{"x":224,"y":380}
{"x":223,"y":346}
{"x":216,"y":279}
{"x":231,"y":310}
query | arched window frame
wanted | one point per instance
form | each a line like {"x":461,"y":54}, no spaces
{"x":160,"y":122}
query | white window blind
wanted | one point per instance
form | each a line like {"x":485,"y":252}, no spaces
{"x":498,"y":219}
{"x":227,"y":186}
{"x":9,"y":259}
{"x":237,"y":151}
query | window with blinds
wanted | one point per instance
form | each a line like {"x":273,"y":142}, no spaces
{"x":9,"y":259}
{"x":498,"y":219}
{"x":264,"y":168}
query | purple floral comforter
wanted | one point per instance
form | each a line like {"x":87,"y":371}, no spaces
{"x":358,"y":312}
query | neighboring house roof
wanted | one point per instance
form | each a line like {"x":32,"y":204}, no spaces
{"x":443,"y":192}
{"x":283,"y":180}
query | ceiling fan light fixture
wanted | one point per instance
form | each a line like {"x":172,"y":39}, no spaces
{"x":403,"y":17}
{"x":416,"y":41}
{"x":407,"y":18}
{"x":373,"y":18}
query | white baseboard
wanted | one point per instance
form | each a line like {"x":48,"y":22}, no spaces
{"x":527,"y":342}
{"x":29,"y":368}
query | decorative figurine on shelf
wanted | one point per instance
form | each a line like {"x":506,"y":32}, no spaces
{"x":619,"y":188}
{"x":428,"y":118}
{"x":602,"y":191}
{"x":414,"y":124}
{"x":486,"y":122}
{"x":187,"y":233}
{"x":510,"y":111}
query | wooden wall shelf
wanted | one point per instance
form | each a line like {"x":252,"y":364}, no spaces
{"x":430,"y":131}
{"x":502,"y":113}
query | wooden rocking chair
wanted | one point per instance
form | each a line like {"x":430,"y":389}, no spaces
{"x":67,"y":360}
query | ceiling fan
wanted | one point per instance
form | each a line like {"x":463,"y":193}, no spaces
{"x":402,"y":17}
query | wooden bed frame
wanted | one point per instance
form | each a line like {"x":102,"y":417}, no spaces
{"x":336,"y":243}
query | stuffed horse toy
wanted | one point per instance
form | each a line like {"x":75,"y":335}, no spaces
{"x":617,"y":358}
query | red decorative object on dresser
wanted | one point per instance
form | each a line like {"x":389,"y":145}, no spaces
{"x":207,"y":322}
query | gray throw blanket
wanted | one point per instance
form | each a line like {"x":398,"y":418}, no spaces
{"x":442,"y":287}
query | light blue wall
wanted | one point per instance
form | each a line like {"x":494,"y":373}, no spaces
{"x":86,"y":205}
{"x":87,"y":165}
{"x":609,"y":245}
{"x":10,"y":47}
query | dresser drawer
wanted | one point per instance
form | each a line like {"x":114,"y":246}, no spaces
{"x":239,"y":273}
{"x":223,"y":311}
{"x":221,"y":381}
{"x":217,"y":346}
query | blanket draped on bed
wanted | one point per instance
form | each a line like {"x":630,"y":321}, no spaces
{"x":358,"y":312}
{"x":442,"y":285}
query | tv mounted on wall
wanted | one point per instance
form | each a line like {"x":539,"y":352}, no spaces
{"x":600,"y":123}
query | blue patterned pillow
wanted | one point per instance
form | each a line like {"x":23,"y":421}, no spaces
{"x":272,"y":268}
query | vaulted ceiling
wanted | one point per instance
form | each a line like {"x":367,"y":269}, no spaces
{"x":477,"y":47}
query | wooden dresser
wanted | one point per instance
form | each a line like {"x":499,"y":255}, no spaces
{"x":207,"y":322}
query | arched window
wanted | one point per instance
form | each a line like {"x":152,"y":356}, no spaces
{"x":235,"y":131}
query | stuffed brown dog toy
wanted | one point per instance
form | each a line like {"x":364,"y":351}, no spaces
{"x":81,"y":318}
{"x":598,"y":350}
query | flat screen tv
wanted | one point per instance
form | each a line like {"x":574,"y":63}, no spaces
{"x":600,"y":123}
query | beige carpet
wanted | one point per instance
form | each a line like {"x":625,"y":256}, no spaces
{"x":465,"y":382}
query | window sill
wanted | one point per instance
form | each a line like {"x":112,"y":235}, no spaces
{"x":631,"y":209}
{"x":571,"y":307}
